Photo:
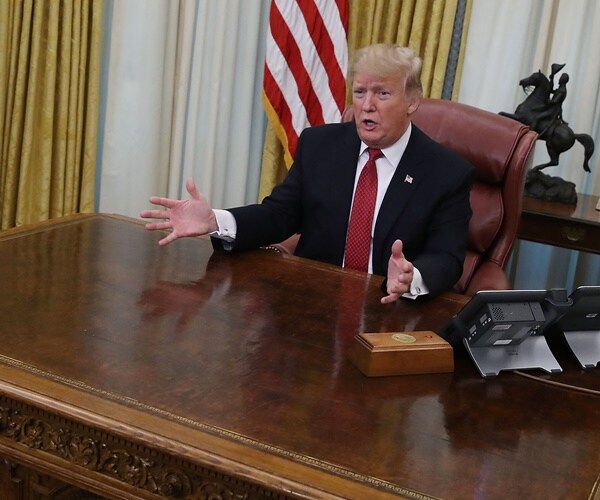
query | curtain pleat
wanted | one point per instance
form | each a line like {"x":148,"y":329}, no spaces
{"x":219,"y":151}
{"x":183,"y":57}
{"x":457,"y":49}
{"x":427,"y":26}
{"x":182,"y":101}
{"x":49,"y":108}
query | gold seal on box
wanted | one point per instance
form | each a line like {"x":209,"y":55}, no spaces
{"x":404,"y":338}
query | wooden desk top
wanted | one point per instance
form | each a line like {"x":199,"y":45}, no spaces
{"x":238,"y":363}
{"x":583,"y":211}
{"x":570,"y":226}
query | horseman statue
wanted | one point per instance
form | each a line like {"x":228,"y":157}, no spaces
{"x":542,"y":111}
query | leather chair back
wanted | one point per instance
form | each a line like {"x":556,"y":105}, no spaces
{"x":499,"y":148}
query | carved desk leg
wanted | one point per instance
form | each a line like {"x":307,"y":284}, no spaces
{"x":18,"y":482}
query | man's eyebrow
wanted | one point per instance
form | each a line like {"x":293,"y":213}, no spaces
{"x":372,"y":86}
{"x":380,"y":86}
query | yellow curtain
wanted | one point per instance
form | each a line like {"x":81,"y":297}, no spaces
{"x":49,"y":96}
{"x":424,"y":25}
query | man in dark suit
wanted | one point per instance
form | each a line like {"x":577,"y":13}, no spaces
{"x":422,"y":211}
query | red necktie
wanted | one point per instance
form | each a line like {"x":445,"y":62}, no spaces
{"x":358,"y":240}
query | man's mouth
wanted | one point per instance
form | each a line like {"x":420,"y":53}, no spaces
{"x":369,"y":124}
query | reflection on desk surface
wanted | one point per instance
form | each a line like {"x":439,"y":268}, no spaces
{"x":585,"y":209}
{"x":252,"y":348}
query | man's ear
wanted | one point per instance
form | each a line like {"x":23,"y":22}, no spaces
{"x":413,"y":105}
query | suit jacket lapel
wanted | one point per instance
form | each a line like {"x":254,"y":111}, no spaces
{"x":403,"y":186}
{"x":341,"y":187}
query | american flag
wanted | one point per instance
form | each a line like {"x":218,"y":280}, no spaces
{"x":305,"y":66}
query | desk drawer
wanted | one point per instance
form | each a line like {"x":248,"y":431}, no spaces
{"x":559,"y":232}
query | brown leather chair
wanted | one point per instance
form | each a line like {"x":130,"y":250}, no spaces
{"x":499,"y":148}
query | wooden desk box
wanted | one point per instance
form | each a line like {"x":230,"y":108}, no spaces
{"x":398,"y":353}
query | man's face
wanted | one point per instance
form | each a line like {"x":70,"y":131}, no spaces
{"x":381,"y":109}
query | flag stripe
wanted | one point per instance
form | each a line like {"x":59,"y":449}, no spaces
{"x":333,"y":56}
{"x":305,"y":66}
{"x":280,"y":116}
{"x":283,"y":33}
{"x":307,"y":23}
{"x":283,"y":88}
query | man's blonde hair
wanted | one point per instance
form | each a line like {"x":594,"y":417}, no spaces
{"x":389,"y":60}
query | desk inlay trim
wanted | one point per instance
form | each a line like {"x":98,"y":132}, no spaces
{"x":10,"y":418}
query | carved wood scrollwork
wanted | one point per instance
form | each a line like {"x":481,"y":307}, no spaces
{"x":113,"y":457}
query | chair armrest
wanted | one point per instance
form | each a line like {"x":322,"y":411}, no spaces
{"x":286,"y":247}
{"x":489,"y":276}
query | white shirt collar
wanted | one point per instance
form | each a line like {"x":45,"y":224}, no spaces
{"x":394,"y":152}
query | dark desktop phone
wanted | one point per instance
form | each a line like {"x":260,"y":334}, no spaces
{"x":584,"y":313}
{"x":580,"y":325}
{"x":504,"y":317}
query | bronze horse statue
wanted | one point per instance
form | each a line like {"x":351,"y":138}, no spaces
{"x":551,"y":127}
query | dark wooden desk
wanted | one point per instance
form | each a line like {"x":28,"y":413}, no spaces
{"x":570,"y":226}
{"x":138,"y":371}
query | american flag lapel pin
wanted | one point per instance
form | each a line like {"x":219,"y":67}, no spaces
{"x":408,"y":179}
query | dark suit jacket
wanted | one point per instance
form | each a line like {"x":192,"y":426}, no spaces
{"x":430,"y":214}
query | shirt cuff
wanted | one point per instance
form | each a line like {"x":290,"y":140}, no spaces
{"x":417,"y":287}
{"x":227,"y":226}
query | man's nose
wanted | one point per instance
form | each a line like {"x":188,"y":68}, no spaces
{"x":368,"y":102}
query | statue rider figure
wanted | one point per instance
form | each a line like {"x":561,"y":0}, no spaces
{"x":552,"y":109}
{"x":542,"y":112}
